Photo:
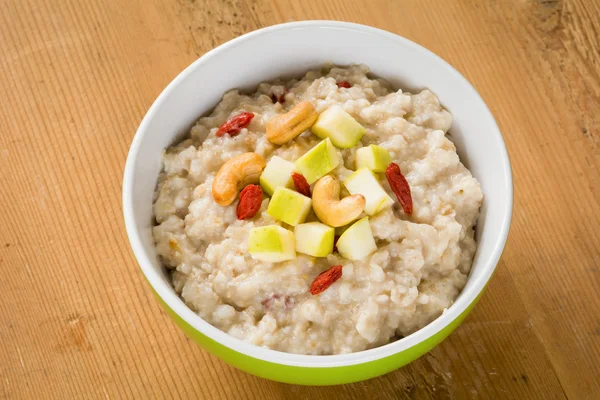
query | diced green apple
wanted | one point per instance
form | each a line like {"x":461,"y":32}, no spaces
{"x":318,"y":161}
{"x":314,"y":239}
{"x":277,"y":173}
{"x":374,"y":157}
{"x":271,"y":243}
{"x":289,"y":206}
{"x":357,"y":242}
{"x":339,"y":126}
{"x":366,"y":183}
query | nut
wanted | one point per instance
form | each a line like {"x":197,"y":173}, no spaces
{"x":328,"y":206}
{"x":236,"y":173}
{"x":285,"y":127}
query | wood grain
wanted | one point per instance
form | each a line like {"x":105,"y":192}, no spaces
{"x":77,"y":319}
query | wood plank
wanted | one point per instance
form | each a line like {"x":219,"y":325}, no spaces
{"x":77,"y":319}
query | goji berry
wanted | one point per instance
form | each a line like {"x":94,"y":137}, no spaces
{"x":301,"y":184}
{"x":400,"y":187}
{"x":281,"y":97}
{"x":250,"y":200}
{"x":234,"y":125}
{"x":325,"y":279}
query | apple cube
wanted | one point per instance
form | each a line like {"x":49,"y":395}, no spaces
{"x":277,"y":173}
{"x":318,"y":161}
{"x":357,"y":242}
{"x":314,"y":239}
{"x":289,"y":206}
{"x":339,"y":126}
{"x":271,"y":243}
{"x":374,"y":157}
{"x":366,"y":183}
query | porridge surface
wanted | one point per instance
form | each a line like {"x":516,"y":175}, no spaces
{"x":422,"y":260}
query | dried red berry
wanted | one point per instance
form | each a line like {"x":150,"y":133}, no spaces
{"x":234,"y":125}
{"x":250,"y":200}
{"x":281,"y":97}
{"x":400,"y":187}
{"x":344,"y":84}
{"x":301,"y":184}
{"x":325,"y":279}
{"x":278,"y":300}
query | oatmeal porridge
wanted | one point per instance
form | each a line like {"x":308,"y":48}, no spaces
{"x":325,"y":215}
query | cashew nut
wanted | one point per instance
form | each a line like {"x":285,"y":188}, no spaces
{"x":236,"y":173}
{"x":328,"y":206}
{"x":285,"y":127}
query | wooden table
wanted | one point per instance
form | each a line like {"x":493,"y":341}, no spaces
{"x":77,"y":319}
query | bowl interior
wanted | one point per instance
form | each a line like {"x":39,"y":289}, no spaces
{"x":291,"y":50}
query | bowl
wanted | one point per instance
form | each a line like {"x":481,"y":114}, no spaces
{"x":290,"y":50}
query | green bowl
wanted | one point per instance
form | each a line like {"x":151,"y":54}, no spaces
{"x":306,"y":375}
{"x":290,"y":50}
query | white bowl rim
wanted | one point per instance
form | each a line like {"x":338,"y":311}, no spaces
{"x":166,"y":293}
